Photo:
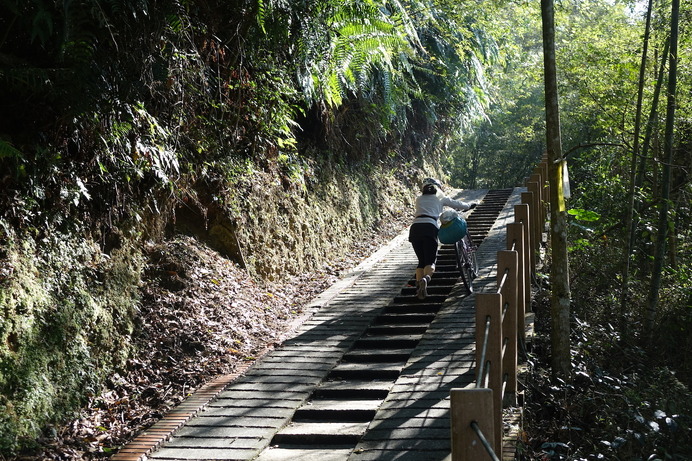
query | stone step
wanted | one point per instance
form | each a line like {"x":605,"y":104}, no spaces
{"x":367,"y":371}
{"x":442,"y":290}
{"x":416,"y":307}
{"x":287,"y":453}
{"x":412,"y":299}
{"x":323,"y":433}
{"x":337,"y":410}
{"x":398,"y":329}
{"x":362,"y":389}
{"x":407,"y":318}
{"x":438,"y":279}
{"x":377,"y":355}
{"x":388,"y":342}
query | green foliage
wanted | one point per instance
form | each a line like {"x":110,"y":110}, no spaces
{"x":629,"y":397}
{"x":508,"y":140}
{"x":618,"y":406}
{"x":584,"y":215}
{"x":139,"y":88}
{"x":142,"y":145}
{"x":366,"y":43}
{"x":599,"y":56}
{"x":384,"y":71}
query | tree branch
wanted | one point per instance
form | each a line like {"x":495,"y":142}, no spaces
{"x":584,"y":146}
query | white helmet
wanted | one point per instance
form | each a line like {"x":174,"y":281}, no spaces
{"x":427,"y":182}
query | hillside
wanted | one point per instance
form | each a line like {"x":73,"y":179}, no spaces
{"x":200,"y":316}
{"x":128,"y":124}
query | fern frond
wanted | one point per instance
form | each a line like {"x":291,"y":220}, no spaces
{"x":7,"y":150}
{"x":261,"y":15}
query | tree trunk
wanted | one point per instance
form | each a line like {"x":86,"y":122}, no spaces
{"x":653,"y":115}
{"x":663,"y":218}
{"x":630,"y":225}
{"x":559,"y":272}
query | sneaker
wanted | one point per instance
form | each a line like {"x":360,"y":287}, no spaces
{"x":423,"y":288}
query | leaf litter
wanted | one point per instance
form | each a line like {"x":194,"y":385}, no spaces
{"x":200,"y":316}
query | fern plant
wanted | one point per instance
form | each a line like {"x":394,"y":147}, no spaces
{"x":366,"y":46}
{"x":7,"y":150}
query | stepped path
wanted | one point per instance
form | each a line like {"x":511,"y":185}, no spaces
{"x":366,"y":376}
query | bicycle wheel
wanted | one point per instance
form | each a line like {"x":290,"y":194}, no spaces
{"x":463,"y":264}
{"x":471,"y":250}
{"x":471,"y":262}
{"x":473,"y":266}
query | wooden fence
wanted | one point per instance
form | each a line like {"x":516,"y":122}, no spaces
{"x":476,"y":413}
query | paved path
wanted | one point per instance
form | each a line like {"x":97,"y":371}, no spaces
{"x":411,"y":423}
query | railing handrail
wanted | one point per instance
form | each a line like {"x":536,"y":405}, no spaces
{"x":484,"y":441}
{"x":484,"y":351}
{"x":504,"y":309}
{"x":501,"y":285}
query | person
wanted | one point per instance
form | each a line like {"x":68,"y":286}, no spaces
{"x":424,"y":229}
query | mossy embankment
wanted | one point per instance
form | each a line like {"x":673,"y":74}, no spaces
{"x":67,"y":313}
{"x":70,"y":303}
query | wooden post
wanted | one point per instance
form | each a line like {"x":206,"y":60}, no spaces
{"x":490,"y":305}
{"x":515,"y":233}
{"x":545,"y":191}
{"x":527,"y":199}
{"x":509,"y":260}
{"x":544,"y":167}
{"x":542,"y":198}
{"x":521,"y":216}
{"x":537,"y":223}
{"x":467,"y":406}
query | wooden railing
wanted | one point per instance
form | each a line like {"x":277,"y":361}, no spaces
{"x":476,"y":413}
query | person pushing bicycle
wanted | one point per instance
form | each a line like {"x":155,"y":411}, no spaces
{"x":425,"y":227}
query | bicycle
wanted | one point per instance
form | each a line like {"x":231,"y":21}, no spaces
{"x":454,"y":230}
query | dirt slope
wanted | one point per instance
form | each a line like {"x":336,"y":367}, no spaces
{"x":201,"y":316}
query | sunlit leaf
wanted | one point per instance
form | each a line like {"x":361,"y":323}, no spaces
{"x":584,"y":215}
